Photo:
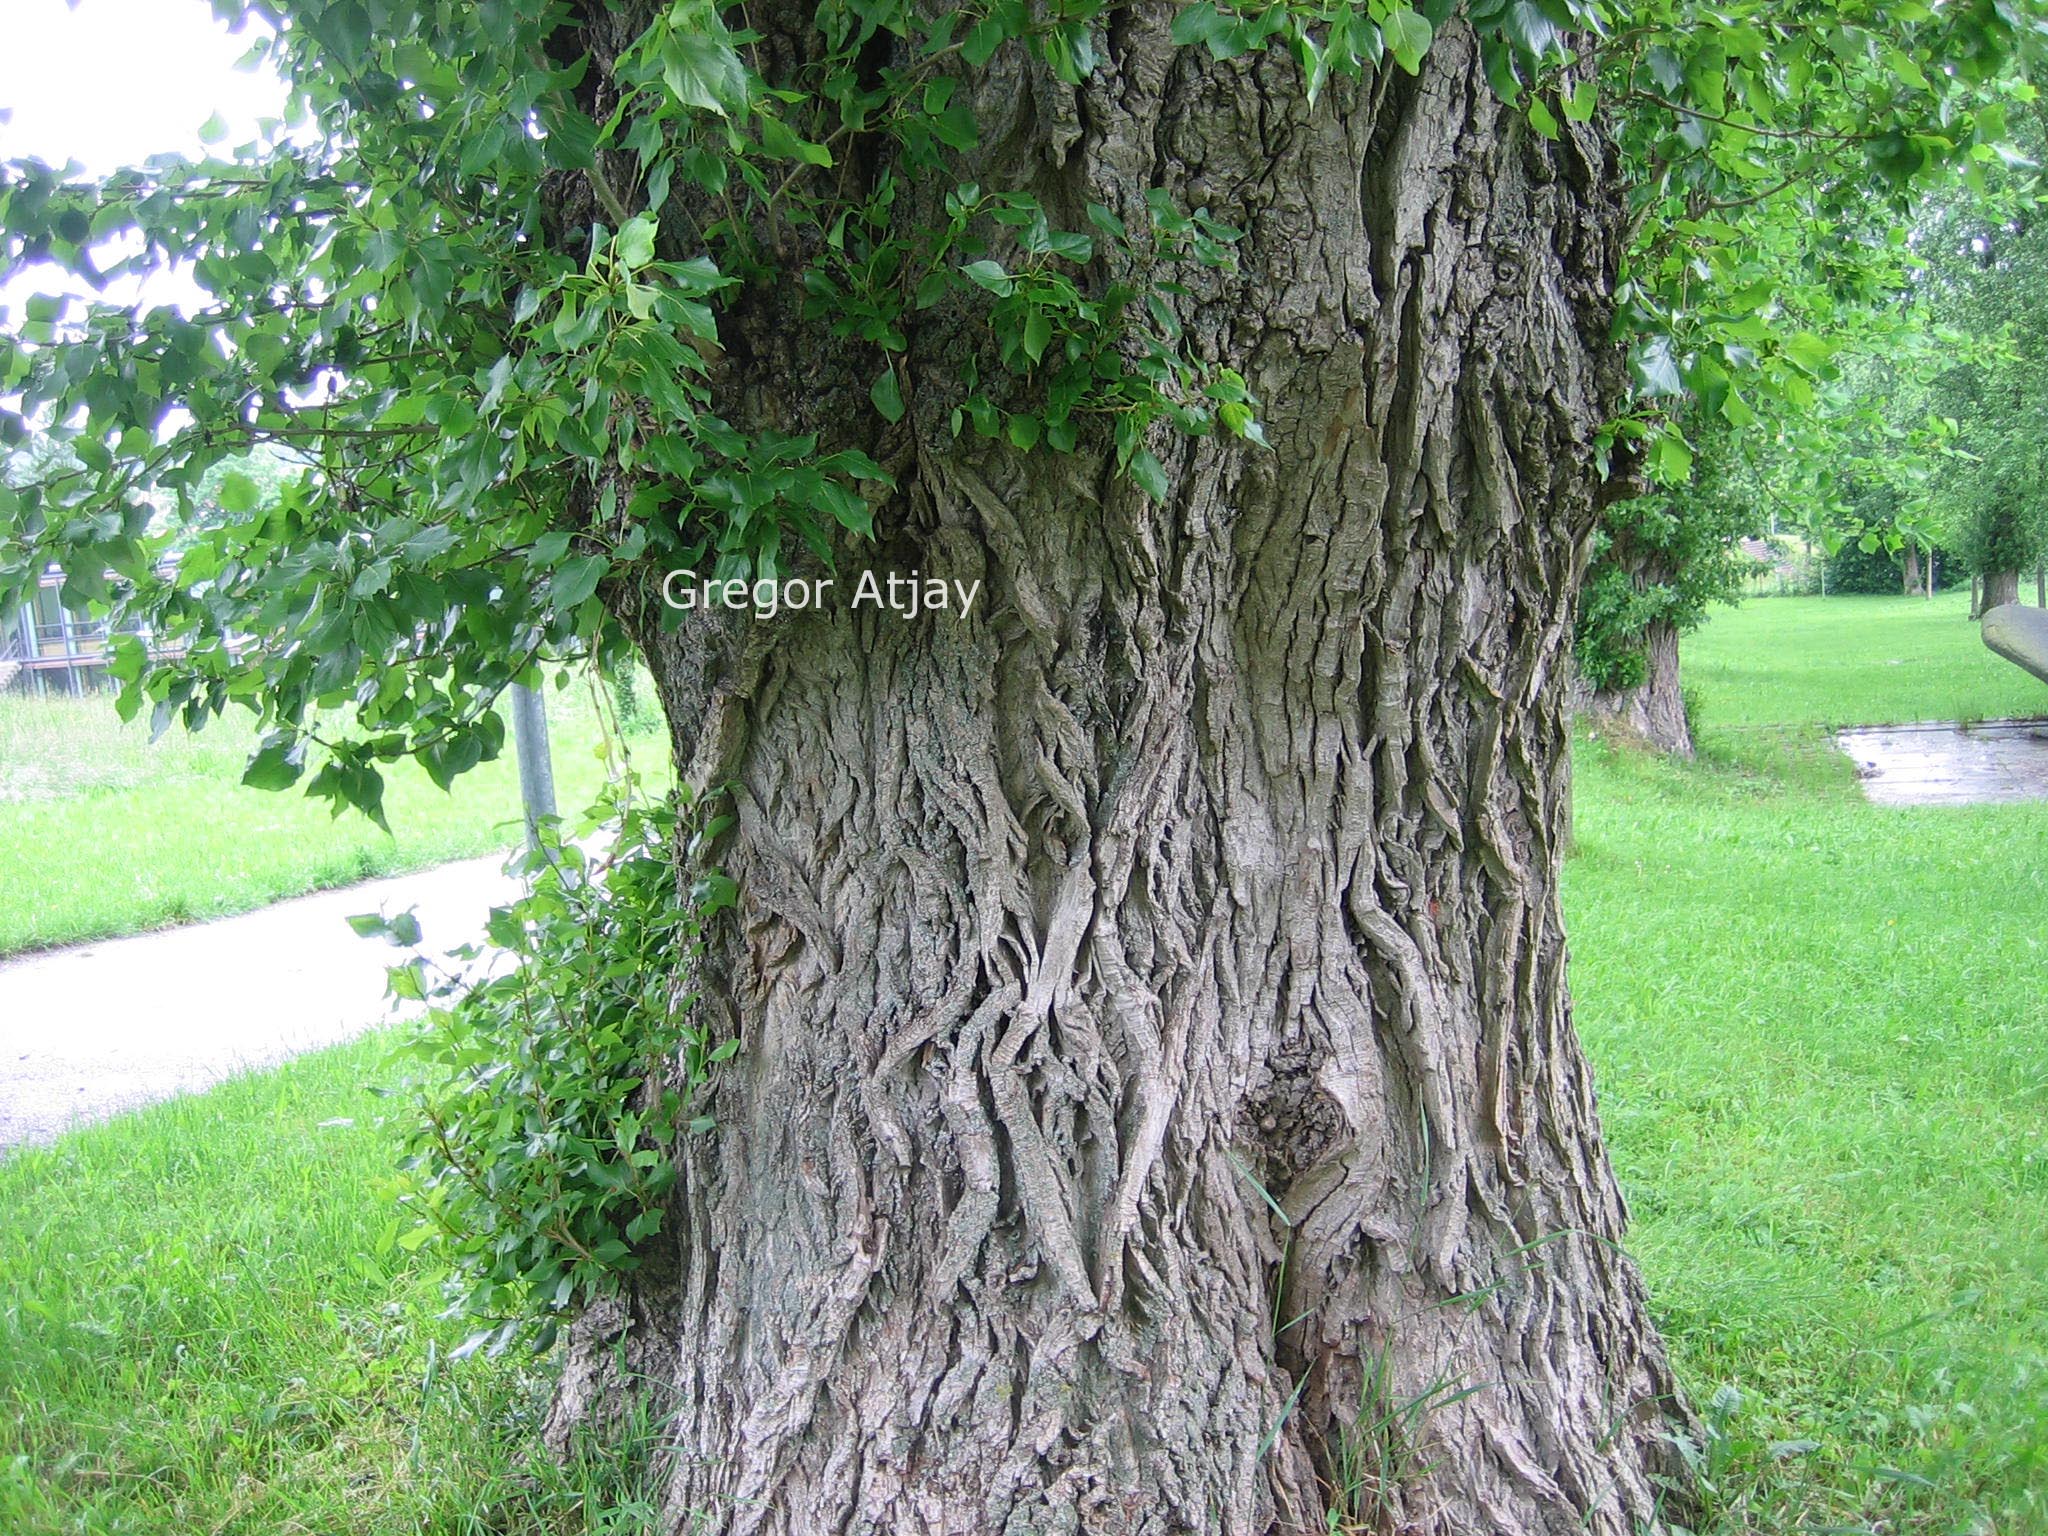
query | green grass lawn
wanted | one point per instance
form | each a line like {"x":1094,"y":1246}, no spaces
{"x":1821,"y":1035}
{"x":1823,"y":1056}
{"x":206,"y":1327}
{"x":103,"y":832}
{"x":1790,"y":661}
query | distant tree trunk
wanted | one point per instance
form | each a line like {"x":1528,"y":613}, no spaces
{"x":2041,"y":584}
{"x":1912,"y":571}
{"x":1654,"y":709}
{"x":1976,"y":595}
{"x":1207,"y":872}
{"x":2000,"y":588}
{"x":1933,"y":571}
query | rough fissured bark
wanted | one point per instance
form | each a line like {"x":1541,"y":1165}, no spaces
{"x":1654,"y":709}
{"x":1159,"y":1108}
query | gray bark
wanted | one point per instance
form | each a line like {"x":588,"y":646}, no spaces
{"x":1654,"y":709}
{"x":1999,"y":588}
{"x":1158,"y":1066}
{"x":1911,"y":577}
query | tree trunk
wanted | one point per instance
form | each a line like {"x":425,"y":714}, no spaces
{"x":1655,"y":708}
{"x":2040,"y":584}
{"x":1976,"y":596}
{"x":1158,"y":1107}
{"x":1912,"y":572}
{"x":2000,"y":588}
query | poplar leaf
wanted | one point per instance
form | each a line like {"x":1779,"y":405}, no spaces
{"x":703,"y":72}
{"x":887,"y":395}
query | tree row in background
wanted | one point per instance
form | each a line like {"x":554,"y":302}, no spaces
{"x":1920,"y":459}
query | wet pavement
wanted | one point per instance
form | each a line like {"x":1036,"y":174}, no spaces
{"x":1996,"y":762}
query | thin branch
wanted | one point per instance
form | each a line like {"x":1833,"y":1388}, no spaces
{"x":1797,"y":135}
{"x":613,"y":204}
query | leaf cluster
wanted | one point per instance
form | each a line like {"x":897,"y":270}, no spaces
{"x":548,"y":1096}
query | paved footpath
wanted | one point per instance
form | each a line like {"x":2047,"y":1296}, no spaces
{"x":90,"y":1031}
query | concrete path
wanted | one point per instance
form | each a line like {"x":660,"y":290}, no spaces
{"x":90,"y":1031}
{"x":1992,"y":763}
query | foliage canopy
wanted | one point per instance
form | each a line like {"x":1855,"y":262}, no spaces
{"x":474,"y":288}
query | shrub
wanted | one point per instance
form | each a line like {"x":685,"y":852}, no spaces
{"x":1852,"y":568}
{"x":550,"y":1090}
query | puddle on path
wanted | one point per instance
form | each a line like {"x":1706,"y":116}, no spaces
{"x":1992,"y":763}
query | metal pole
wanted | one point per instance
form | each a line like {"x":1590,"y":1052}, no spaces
{"x":536,"y":771}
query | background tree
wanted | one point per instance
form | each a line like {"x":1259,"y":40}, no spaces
{"x":1986,"y":269}
{"x":1765,"y":265}
{"x":1128,"y":1074}
{"x":1658,"y":562}
{"x":2004,"y":519}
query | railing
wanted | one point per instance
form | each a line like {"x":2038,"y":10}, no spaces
{"x":74,"y":645}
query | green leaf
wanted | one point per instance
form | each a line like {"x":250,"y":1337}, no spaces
{"x":983,"y":41}
{"x":1655,"y":369}
{"x":1148,"y":474}
{"x":1809,"y":351}
{"x":1037,"y":332}
{"x":645,"y":1225}
{"x":577,"y":579}
{"x":1671,"y":459}
{"x":781,"y":141}
{"x":634,"y":245}
{"x":1407,"y":36}
{"x":276,"y":765}
{"x":239,"y":492}
{"x":845,"y":508}
{"x":703,"y":72}
{"x":345,"y":29}
{"x":1200,"y":23}
{"x":1530,"y":30}
{"x":887,"y":394}
{"x":990,"y":275}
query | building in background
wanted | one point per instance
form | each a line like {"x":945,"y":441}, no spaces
{"x":46,"y":646}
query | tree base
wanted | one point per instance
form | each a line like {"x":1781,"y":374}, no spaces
{"x":1654,"y":710}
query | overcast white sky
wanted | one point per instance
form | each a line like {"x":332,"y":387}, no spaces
{"x":108,"y":83}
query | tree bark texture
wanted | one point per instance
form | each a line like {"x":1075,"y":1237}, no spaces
{"x":1653,"y":709}
{"x":1999,"y":588}
{"x":1158,"y":1107}
{"x":1912,"y":572}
